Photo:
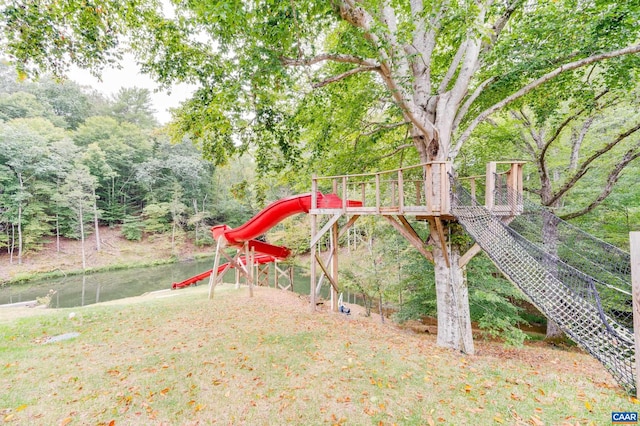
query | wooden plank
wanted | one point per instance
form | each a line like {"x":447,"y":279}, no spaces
{"x":443,"y":242}
{"x":334,"y":266}
{"x":344,"y":194}
{"x":428,"y":188}
{"x":314,"y":192}
{"x":326,"y":273}
{"x":312,"y":279}
{"x":348,"y":225}
{"x":325,"y":228}
{"x":490,"y":185}
{"x":214,"y":271}
{"x":378,"y":192}
{"x":475,"y":249}
{"x":400,"y":192}
{"x":634,"y":241}
{"x":444,"y":193}
{"x":416,"y":242}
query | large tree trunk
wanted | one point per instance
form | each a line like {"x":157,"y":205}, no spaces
{"x":452,"y":294}
{"x":550,"y":241}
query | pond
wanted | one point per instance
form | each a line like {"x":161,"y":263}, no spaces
{"x":81,"y":290}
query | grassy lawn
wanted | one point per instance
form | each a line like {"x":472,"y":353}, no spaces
{"x":267,"y":360}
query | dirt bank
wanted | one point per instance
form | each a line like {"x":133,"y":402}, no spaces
{"x":115,"y":250}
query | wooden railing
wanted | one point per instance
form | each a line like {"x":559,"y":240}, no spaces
{"x":423,"y":189}
{"x":500,"y":190}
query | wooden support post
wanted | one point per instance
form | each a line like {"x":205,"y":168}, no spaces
{"x":443,"y":242}
{"x":237,"y":270}
{"x":314,"y":225}
{"x":473,"y":189}
{"x":418,"y":185}
{"x":378,"y":193}
{"x":413,"y":239}
{"x":634,"y":239}
{"x":344,"y":194}
{"x":475,"y":249}
{"x":334,"y":266}
{"x":326,"y":272}
{"x":325,"y":228}
{"x":400,"y":192}
{"x":214,"y":271}
{"x":428,"y":188}
{"x":348,"y":225}
{"x":489,"y":195}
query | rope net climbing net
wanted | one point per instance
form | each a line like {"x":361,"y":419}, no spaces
{"x":578,"y":281}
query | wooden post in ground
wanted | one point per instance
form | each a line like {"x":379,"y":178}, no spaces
{"x":334,"y":266}
{"x":314,"y":225}
{"x":237,"y":270}
{"x":634,"y":239}
{"x":252,"y":275}
{"x":214,"y":272}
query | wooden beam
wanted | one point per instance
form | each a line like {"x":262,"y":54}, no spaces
{"x":443,"y":242}
{"x":214,"y":271}
{"x":416,"y":242}
{"x":415,"y":235}
{"x":326,"y":273}
{"x":470,"y":254}
{"x":312,"y":279}
{"x":634,"y":240}
{"x":325,"y":228}
{"x":348,"y":225}
{"x":334,"y":266}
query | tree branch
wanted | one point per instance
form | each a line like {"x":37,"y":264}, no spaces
{"x":382,"y":127}
{"x":631,"y":155}
{"x":470,"y":100}
{"x":453,"y":67}
{"x":343,"y":76}
{"x":502,"y":21}
{"x":564,"y":124}
{"x":350,"y":59}
{"x":584,"y":167}
{"x":541,"y":80}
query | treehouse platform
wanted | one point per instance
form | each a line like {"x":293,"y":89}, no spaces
{"x":423,"y":191}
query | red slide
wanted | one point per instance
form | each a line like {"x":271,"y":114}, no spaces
{"x":266,"y":219}
{"x":261,"y":258}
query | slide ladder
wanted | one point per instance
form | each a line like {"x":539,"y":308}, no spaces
{"x":587,"y":307}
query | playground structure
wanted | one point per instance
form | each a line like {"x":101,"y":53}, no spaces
{"x":576,"y":280}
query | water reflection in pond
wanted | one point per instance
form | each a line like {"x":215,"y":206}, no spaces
{"x":79,"y":290}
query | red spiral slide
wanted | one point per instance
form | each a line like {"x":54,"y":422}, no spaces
{"x":266,"y":219}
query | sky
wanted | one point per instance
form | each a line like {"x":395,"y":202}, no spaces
{"x":130,"y":76}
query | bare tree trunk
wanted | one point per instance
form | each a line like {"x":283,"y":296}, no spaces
{"x":84,"y":257}
{"x":13,"y":242}
{"x":57,"y":233}
{"x":95,"y":219}
{"x":20,"y":220}
{"x":452,"y":294}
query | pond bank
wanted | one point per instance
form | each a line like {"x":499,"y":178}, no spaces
{"x":116,"y":253}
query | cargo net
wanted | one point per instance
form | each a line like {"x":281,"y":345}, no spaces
{"x":581,"y":283}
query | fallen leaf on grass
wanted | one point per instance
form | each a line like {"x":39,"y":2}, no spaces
{"x":535,"y":421}
{"x":21,"y":407}
{"x":588,"y":406}
{"x":9,"y":417}
{"x":66,"y":421}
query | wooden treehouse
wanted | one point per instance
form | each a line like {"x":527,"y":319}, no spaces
{"x":423,"y":191}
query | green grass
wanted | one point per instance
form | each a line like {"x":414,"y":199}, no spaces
{"x":268,"y":360}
